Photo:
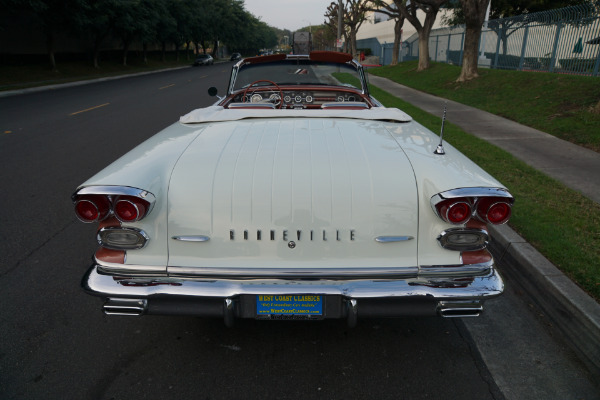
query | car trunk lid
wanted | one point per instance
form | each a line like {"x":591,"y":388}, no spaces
{"x":293,"y":193}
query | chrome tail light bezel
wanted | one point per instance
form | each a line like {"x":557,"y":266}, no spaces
{"x":473,"y":196}
{"x":113,"y":194}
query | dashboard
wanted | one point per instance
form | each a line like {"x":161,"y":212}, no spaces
{"x":297,"y":98}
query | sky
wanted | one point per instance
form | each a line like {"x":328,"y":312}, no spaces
{"x":288,"y":14}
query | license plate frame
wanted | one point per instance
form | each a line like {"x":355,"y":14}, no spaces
{"x":290,"y":307}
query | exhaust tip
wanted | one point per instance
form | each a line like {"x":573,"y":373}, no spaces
{"x":129,"y":307}
{"x":459,"y":309}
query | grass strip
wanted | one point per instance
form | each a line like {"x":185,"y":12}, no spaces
{"x":565,"y":106}
{"x":559,"y":222}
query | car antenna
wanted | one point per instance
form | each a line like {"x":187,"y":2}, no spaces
{"x":440,"y":148}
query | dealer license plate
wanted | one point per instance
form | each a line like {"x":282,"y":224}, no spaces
{"x":298,"y":306}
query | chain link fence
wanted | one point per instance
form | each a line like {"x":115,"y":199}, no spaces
{"x":565,"y":40}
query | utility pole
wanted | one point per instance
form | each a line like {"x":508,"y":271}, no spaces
{"x":339,"y":32}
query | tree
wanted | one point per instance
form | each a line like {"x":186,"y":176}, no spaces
{"x":51,"y":15}
{"x":127,"y":23}
{"x":96,"y":23}
{"x":354,"y":15}
{"x":409,"y":9}
{"x":151,"y":13}
{"x":393,"y":11}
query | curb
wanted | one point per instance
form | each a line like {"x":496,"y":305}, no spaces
{"x":575,"y":314}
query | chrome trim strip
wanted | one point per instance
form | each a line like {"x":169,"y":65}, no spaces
{"x":471,"y":192}
{"x":130,"y":269}
{"x":459,"y":308}
{"x":350,"y":105}
{"x":259,"y":106}
{"x":295,"y":273}
{"x":449,"y":288}
{"x":292,"y":273}
{"x":463,"y":270}
{"x":128,"y":307}
{"x":116,"y":191}
{"x":390,"y":239}
{"x":191,"y":238}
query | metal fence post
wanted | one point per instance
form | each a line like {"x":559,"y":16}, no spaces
{"x":497,"y":49}
{"x":597,"y":65}
{"x":523,"y":48}
{"x":437,"y":42}
{"x":448,"y":49}
{"x":462,"y":46}
{"x":556,"y":37}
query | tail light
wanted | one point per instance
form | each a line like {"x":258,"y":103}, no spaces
{"x":493,"y":210}
{"x":488,"y":205}
{"x":455,"y":211}
{"x":92,"y":208}
{"x":96,"y":203}
{"x":130,"y":209}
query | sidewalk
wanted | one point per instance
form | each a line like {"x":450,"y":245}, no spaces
{"x":572,"y":310}
{"x":574,"y":166}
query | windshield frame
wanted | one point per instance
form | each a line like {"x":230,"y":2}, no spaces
{"x":283,"y":60}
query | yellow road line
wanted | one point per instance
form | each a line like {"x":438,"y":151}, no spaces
{"x":89,"y":109}
{"x":164,"y":87}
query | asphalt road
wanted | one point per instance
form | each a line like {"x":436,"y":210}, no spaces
{"x":56,"y":344}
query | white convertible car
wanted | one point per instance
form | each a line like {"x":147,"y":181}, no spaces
{"x":295,"y":196}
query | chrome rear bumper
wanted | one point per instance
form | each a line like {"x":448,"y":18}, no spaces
{"x":447,"y":296}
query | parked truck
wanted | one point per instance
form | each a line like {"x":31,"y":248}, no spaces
{"x":302,"y":43}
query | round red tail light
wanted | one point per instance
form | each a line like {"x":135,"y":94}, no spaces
{"x":92,"y":208}
{"x":459,"y":213}
{"x":455,"y":211}
{"x":498,"y":213}
{"x":130,"y":209}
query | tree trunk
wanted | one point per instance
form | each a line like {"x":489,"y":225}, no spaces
{"x":474,"y":11}
{"x":353,"y":42}
{"x":145,"y":52}
{"x":470,"y":55}
{"x":215,"y":48}
{"x":50,"y":47}
{"x":423,"y":51}
{"x":125,"y":51}
{"x":397,"y":40}
{"x":96,"y":53}
{"x":164,"y":51}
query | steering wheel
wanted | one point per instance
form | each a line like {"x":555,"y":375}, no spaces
{"x":272,"y":83}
